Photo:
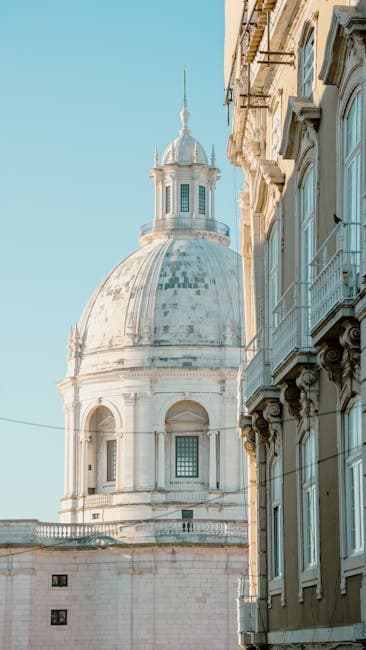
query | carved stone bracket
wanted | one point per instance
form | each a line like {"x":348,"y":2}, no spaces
{"x":330,"y":359}
{"x":248,"y":435}
{"x":350,"y":341}
{"x":273,"y":414}
{"x":290,"y":397}
{"x":308,"y":382}
{"x":260,"y":426}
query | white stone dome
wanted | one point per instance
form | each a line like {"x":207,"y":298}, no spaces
{"x":173,"y":291}
{"x":184,"y":150}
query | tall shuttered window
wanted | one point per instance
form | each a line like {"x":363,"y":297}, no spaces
{"x":354,"y":496}
{"x":308,"y":66}
{"x":168,"y":199}
{"x":202,"y":199}
{"x":111,"y":459}
{"x":184,"y":197}
{"x":309,"y":530}
{"x":276,"y":520}
{"x":352,"y":175}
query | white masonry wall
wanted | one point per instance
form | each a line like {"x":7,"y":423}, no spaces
{"x":132,"y":599}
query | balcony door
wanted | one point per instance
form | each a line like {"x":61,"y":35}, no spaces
{"x":306,"y":243}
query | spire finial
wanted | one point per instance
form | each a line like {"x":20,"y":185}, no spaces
{"x":184,"y":114}
{"x":156,"y":157}
{"x":213,"y":157}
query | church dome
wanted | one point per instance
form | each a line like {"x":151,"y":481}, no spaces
{"x":184,"y":150}
{"x":172,"y":291}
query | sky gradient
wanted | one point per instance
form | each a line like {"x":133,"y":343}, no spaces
{"x":87,"y":90}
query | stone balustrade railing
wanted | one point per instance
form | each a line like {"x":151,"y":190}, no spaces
{"x":32,"y":531}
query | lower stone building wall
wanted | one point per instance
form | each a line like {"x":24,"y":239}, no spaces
{"x":135,"y":598}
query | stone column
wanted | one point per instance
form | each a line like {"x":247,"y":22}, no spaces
{"x":212,"y":480}
{"x":119,"y":462}
{"x":71,"y":448}
{"x":128,"y":460}
{"x":84,"y":442}
{"x":161,"y":460}
{"x":212,"y":192}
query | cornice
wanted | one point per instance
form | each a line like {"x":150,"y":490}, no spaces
{"x":301,"y":114}
{"x":346,"y":26}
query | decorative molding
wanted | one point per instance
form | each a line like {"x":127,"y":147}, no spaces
{"x":248,"y":435}
{"x":308,"y":382}
{"x":290,"y":397}
{"x":302,"y":116}
{"x":346,"y":36}
{"x":330,"y":358}
{"x":261,"y":427}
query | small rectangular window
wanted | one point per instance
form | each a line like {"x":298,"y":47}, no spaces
{"x":111,"y":459}
{"x":58,"y":616}
{"x":59,"y":580}
{"x":168,"y":199}
{"x":186,"y":456}
{"x":187,"y":525}
{"x":202,"y":199}
{"x":184,"y":198}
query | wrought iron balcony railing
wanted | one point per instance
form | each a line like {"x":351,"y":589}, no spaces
{"x":292,"y":332}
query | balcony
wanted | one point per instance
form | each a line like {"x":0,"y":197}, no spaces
{"x":259,"y":384}
{"x":124,"y":532}
{"x":172,"y":225}
{"x":291,"y":341}
{"x":336,"y":285}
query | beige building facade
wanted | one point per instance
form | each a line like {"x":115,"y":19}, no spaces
{"x":295,"y":76}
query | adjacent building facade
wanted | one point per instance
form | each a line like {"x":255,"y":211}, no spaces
{"x":153,"y":533}
{"x":296,"y":92}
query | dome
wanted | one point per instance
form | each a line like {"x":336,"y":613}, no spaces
{"x":173,"y":291}
{"x":185,"y":150}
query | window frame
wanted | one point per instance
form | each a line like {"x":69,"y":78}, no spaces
{"x":168,"y":199}
{"x":348,"y":158}
{"x":196,"y":461}
{"x":56,"y":582}
{"x":111,"y":460}
{"x":202,"y":200}
{"x":184,"y":199}
{"x":57,"y":619}
{"x":273,"y":278}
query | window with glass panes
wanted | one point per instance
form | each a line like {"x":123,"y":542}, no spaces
{"x":168,"y":199}
{"x":308,"y":66}
{"x":202,"y":199}
{"x":184,"y":197}
{"x":354,"y":475}
{"x":273,"y":275}
{"x":276,"y":519}
{"x":58,"y":616}
{"x":352,"y":175}
{"x":186,"y":456}
{"x":309,"y":531}
{"x":111,"y":459}
{"x":307,"y":240}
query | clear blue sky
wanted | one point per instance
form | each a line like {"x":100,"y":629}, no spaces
{"x":87,"y":88}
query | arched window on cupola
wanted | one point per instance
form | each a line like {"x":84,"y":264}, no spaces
{"x":102,"y":451}
{"x":187,"y":457}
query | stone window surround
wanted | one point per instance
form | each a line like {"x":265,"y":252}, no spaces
{"x":309,"y":29}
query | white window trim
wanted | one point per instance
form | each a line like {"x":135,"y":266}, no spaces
{"x":186,"y":481}
{"x":310,"y":28}
{"x":352,"y":564}
{"x":276,"y":585}
{"x":310,"y":576}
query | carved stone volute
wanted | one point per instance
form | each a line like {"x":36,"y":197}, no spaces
{"x":290,"y":397}
{"x":273,"y":414}
{"x":330,"y":359}
{"x":350,"y":341}
{"x":260,"y":426}
{"x":248,"y":435}
{"x":308,"y":382}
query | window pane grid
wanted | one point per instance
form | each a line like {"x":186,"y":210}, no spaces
{"x":111,"y":459}
{"x":184,"y":198}
{"x":186,"y":458}
{"x":202,"y":199}
{"x":168,"y":199}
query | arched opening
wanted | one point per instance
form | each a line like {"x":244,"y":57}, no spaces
{"x":102,"y":451}
{"x":187,"y":458}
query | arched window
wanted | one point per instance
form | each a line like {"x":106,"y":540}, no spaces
{"x":186,"y":424}
{"x":308,"y":501}
{"x":276,"y":516}
{"x":352,"y":172}
{"x":353,"y":479}
{"x":102,"y":451}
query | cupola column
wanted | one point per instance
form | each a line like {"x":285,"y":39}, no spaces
{"x":84,"y":443}
{"x":71,"y":460}
{"x":161,"y":460}
{"x":212,"y":481}
{"x":212,"y":193}
{"x":128,"y":464}
{"x":119,"y":462}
